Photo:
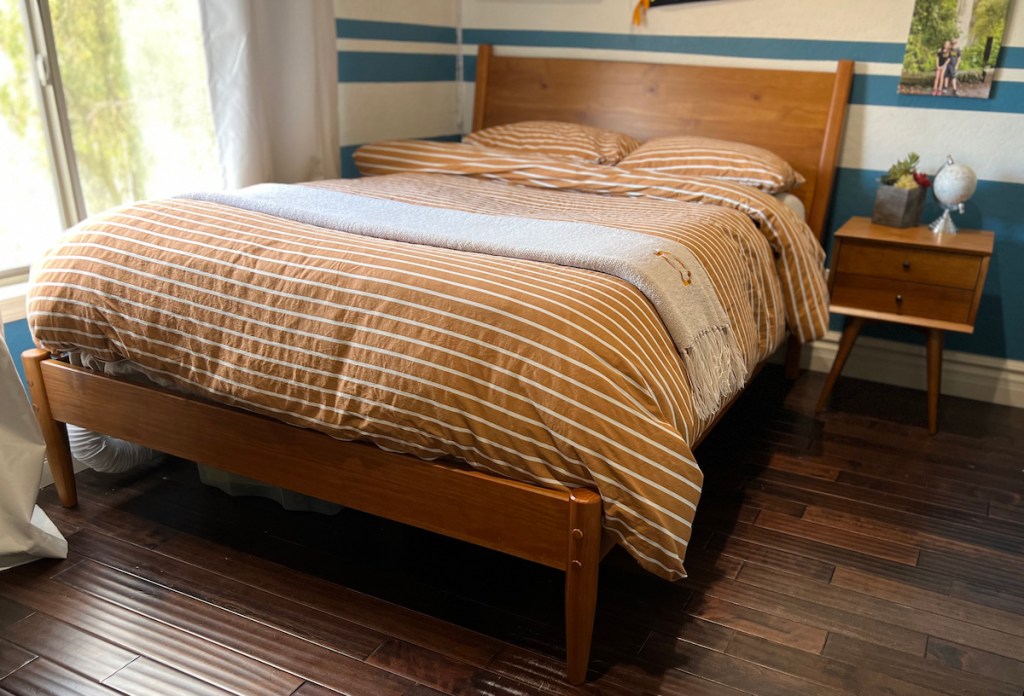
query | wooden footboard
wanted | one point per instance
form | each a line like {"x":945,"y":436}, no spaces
{"x":560,"y":529}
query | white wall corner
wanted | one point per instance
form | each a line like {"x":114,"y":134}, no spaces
{"x":12,"y":302}
{"x":967,"y":375}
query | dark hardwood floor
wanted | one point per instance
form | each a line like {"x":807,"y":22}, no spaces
{"x":846,"y":553}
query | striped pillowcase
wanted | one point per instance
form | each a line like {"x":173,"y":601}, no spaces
{"x":687,"y":155}
{"x":571,"y":141}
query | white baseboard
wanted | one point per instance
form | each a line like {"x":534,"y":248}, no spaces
{"x":971,"y":376}
{"x":47,"y":478}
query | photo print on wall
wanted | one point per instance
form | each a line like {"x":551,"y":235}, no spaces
{"x":953,"y":47}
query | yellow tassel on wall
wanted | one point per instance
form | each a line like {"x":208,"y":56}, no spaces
{"x":640,"y":12}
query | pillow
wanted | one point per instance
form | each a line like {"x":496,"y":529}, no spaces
{"x":557,"y":139}
{"x":689,"y":155}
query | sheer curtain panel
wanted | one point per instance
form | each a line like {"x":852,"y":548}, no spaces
{"x":272,"y":68}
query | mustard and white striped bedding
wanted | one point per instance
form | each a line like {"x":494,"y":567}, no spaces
{"x":543,"y":373}
{"x":799,"y":255}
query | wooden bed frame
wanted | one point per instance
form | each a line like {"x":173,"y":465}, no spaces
{"x":798,"y":115}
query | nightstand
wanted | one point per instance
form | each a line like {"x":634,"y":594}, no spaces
{"x":907,"y":276}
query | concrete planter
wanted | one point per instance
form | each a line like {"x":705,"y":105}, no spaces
{"x":896,"y":207}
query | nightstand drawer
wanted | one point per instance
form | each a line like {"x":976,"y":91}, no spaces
{"x":902,"y":298}
{"x":915,"y":265}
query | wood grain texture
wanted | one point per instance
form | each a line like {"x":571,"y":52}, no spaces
{"x":910,"y":303}
{"x":976,"y":661}
{"x":147,"y":636}
{"x":797,"y":115}
{"x":12,"y":657}
{"x":952,"y":269}
{"x":786,"y":596}
{"x":929,"y":675}
{"x":331,"y":667}
{"x":44,"y":678}
{"x":499,"y":513}
{"x":425,"y":667}
{"x":822,"y":670}
{"x":285,"y":614}
{"x":11,"y":612}
{"x":311,"y":689}
{"x":778,"y":629}
{"x":841,"y":538}
{"x":909,"y":276}
{"x":799,"y":607}
{"x":976,"y":242}
{"x":145,"y":677}
{"x":330,"y":598}
{"x":70,"y":647}
{"x":55,"y":433}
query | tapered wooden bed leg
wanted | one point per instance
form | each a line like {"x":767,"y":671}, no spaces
{"x":581,"y":580}
{"x":55,"y":433}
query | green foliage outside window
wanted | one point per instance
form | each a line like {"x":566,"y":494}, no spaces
{"x":15,"y":99}
{"x":989,"y":20}
{"x":97,"y":91}
{"x":934,"y":22}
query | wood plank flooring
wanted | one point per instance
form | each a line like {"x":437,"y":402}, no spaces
{"x":848,"y":553}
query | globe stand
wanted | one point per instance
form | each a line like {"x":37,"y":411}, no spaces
{"x":944,"y":223}
{"x":952,"y":186}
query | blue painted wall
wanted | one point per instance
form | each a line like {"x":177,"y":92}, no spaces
{"x":18,"y":339}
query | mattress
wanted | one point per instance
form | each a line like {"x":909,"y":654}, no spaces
{"x":550,"y":374}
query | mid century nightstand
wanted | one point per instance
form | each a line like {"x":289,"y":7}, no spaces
{"x":908,"y":276}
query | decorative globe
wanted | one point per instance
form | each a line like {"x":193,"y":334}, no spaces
{"x":954,"y":184}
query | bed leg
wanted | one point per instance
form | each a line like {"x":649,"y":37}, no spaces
{"x":794,"y":349}
{"x":55,"y":433}
{"x":581,"y":580}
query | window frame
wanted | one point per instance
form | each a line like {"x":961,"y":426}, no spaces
{"x":49,"y":93}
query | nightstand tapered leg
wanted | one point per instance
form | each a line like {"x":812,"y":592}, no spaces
{"x":850,"y":333}
{"x":794,"y":349}
{"x":935,"y":337}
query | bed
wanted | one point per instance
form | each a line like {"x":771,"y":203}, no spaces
{"x":798,"y":115}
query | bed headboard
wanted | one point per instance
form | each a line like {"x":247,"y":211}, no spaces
{"x":798,"y":115}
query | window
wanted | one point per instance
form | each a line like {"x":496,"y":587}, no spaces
{"x":102,"y":102}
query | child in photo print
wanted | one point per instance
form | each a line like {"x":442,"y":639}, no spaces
{"x":953,"y":47}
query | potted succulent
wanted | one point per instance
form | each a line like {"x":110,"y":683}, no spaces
{"x":901,"y":194}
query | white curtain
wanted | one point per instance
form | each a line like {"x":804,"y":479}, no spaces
{"x":272,"y":67}
{"x":26,"y":533}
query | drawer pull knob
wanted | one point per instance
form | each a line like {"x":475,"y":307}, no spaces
{"x":899,"y":298}
{"x":906,"y":265}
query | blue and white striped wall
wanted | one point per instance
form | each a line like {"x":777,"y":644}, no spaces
{"x":398,"y":71}
{"x":400,"y":77}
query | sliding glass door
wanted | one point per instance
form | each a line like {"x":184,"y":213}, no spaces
{"x":102,"y":102}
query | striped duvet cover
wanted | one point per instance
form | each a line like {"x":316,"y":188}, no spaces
{"x":543,"y":373}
